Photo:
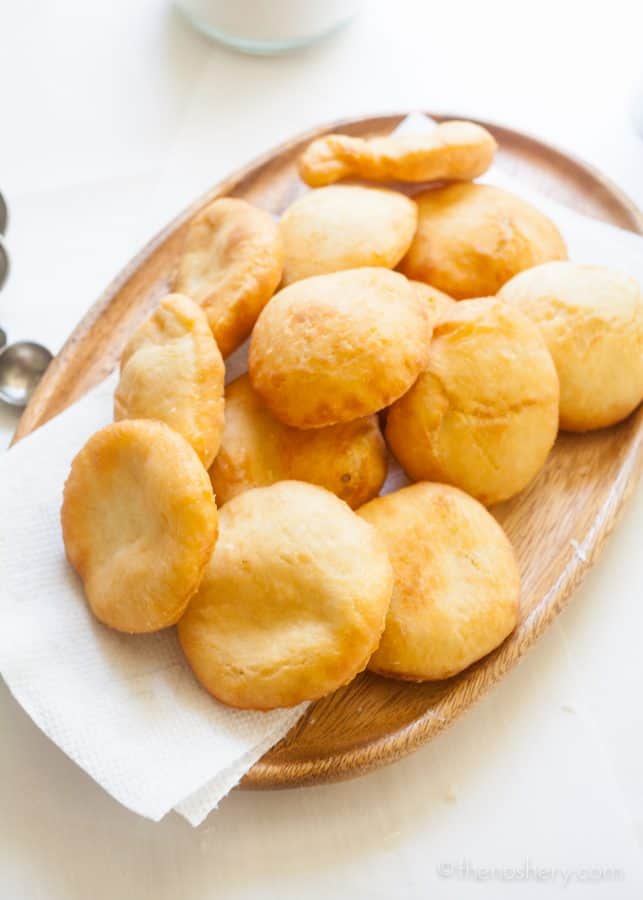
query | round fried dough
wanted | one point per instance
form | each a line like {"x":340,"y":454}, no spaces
{"x":457,"y":585}
{"x":472,"y":238}
{"x":592,"y":321}
{"x":348,"y":459}
{"x":345,"y":227}
{"x":484,"y":414}
{"x":334,"y":348}
{"x":139,"y":523}
{"x":293,"y":601}
{"x":172,"y":370}
{"x":437,"y":302}
{"x":231,"y":264}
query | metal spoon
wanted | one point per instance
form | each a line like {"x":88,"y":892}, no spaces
{"x":4,"y":262}
{"x":22,"y":365}
{"x":3,"y":215}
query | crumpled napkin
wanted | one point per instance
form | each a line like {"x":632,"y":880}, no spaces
{"x":127,"y":708}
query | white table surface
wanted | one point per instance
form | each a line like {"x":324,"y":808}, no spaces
{"x":115,"y":115}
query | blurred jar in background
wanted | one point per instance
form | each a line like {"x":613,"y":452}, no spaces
{"x":268,"y":26}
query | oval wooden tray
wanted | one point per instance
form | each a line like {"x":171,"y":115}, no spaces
{"x":558,"y":526}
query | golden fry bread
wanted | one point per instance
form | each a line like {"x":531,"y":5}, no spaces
{"x":171,"y":370}
{"x":348,"y":459}
{"x":592,"y":321}
{"x":139,"y":523}
{"x":345,"y":227}
{"x":231,"y":264}
{"x":451,"y":151}
{"x":483,"y":416}
{"x":293,"y":601}
{"x":334,"y":348}
{"x":472,"y":238}
{"x":457,"y":585}
{"x":438,"y":303}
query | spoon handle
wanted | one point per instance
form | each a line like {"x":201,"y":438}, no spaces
{"x":4,"y":263}
{"x":4,"y":215}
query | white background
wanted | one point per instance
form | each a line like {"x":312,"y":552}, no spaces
{"x":114,"y":116}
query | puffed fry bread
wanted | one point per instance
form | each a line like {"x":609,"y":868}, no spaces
{"x":293,"y":600}
{"x":457,"y":585}
{"x":346,"y":226}
{"x":139,"y":524}
{"x":231,"y":264}
{"x":338,"y":347}
{"x":472,"y":238}
{"x":453,"y":151}
{"x":591,"y":318}
{"x":172,"y":370}
{"x":437,"y":302}
{"x":348,"y":459}
{"x":483,"y":415}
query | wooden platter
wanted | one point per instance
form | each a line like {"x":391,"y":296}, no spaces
{"x":558,"y":525}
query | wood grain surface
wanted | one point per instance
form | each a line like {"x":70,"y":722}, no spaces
{"x":558,"y":525}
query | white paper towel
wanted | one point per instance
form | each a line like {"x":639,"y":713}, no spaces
{"x":126,"y":708}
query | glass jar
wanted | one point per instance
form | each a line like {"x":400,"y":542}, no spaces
{"x":268,"y":26}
